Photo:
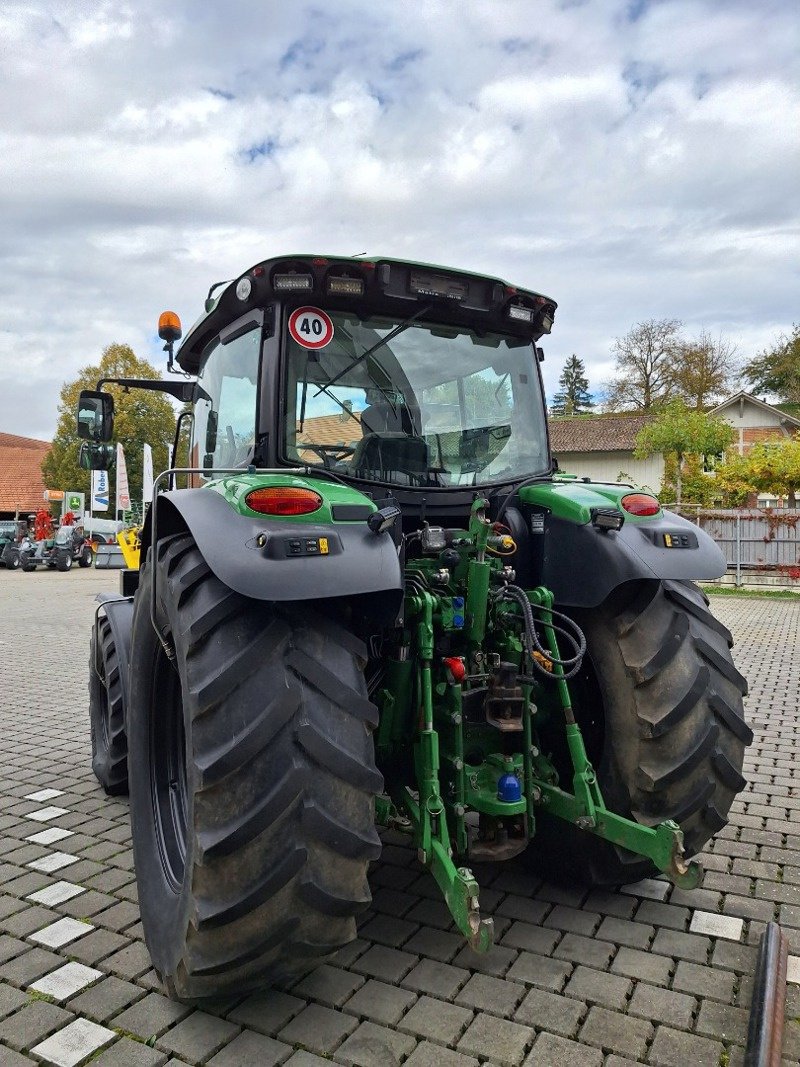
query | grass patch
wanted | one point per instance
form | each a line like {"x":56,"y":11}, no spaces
{"x":761,"y":594}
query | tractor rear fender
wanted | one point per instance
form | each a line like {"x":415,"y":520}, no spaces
{"x":119,"y":612}
{"x":583,"y":564}
{"x":253,"y":555}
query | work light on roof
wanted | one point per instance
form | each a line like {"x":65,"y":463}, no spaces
{"x":284,"y":282}
{"x":520,"y":313}
{"x":341,"y":286}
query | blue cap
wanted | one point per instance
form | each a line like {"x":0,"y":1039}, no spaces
{"x":508,"y":789}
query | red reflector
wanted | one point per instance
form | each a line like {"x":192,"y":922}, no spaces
{"x":640,"y":504}
{"x":258,"y":272}
{"x":319,"y":262}
{"x":283,"y":500}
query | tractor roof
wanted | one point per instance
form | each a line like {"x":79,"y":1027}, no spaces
{"x":384,"y":278}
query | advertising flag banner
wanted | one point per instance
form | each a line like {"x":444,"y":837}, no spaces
{"x":123,"y":490}
{"x":100,"y":493}
{"x":147,"y":475}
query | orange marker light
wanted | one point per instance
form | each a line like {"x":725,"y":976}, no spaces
{"x":169,"y":326}
{"x":283,"y":500}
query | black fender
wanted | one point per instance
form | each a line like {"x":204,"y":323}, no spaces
{"x":119,"y":612}
{"x":582,"y":564}
{"x":251,"y":555}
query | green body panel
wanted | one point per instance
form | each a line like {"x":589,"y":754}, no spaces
{"x":574,"y":501}
{"x":234,"y":488}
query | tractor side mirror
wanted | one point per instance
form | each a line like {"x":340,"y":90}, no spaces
{"x":96,"y":457}
{"x":95,"y":416}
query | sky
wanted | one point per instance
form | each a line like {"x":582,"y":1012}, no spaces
{"x":633,"y":159}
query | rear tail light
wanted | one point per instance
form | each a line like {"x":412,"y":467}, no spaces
{"x":640,"y":504}
{"x":283,"y":500}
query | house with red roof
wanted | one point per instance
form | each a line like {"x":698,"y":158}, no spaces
{"x":21,"y":484}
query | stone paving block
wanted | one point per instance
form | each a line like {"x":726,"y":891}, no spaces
{"x":485,"y":993}
{"x":318,"y":1029}
{"x":381,"y":1002}
{"x":106,"y":999}
{"x":75,"y":1043}
{"x":704,"y":981}
{"x":61,"y":932}
{"x":648,"y":889}
{"x":388,"y":964}
{"x":643,"y":965}
{"x":34,"y":1022}
{"x":10,"y":1000}
{"x":588,"y":950}
{"x":501,"y":1041}
{"x":683,"y":946}
{"x":620,"y":1033}
{"x":251,"y":1049}
{"x":599,"y":987}
{"x":436,"y":1020}
{"x":66,"y":981}
{"x":57,"y":893}
{"x":130,"y":961}
{"x":375,"y":1046}
{"x":540,"y":971}
{"x":266,"y":1012}
{"x":197,"y":1037}
{"x":11,"y":947}
{"x":9,"y":1058}
{"x":715,"y":925}
{"x":530,"y":938}
{"x":572,"y":920}
{"x":127,"y":1053}
{"x":151,"y":1016}
{"x":736,"y":957}
{"x":552,"y":1051}
{"x":24,"y":969}
{"x":429,"y":1055}
{"x":54,"y":861}
{"x":46,"y":814}
{"x":550,"y":1011}
{"x":387,"y":930}
{"x":97,"y":946}
{"x":439,"y":979}
{"x":436,"y":944}
{"x":676,"y":1048}
{"x":723,"y":1021}
{"x":662,"y":1005}
{"x":495,"y":962}
{"x":793,"y":969}
{"x":625,"y":932}
{"x":301,"y":1059}
{"x":50,"y":835}
{"x":329,"y":985}
{"x":524,"y":909}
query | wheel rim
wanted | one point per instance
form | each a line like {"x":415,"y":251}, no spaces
{"x":168,"y":784}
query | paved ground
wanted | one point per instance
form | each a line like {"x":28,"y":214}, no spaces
{"x":653,"y":976}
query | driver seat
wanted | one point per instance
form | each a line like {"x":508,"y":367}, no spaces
{"x":390,"y":457}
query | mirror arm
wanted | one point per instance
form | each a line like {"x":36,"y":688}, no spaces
{"x":186,"y":392}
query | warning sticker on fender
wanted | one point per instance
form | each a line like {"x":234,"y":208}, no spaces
{"x":310,"y":327}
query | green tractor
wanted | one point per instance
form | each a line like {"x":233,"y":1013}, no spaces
{"x":377,"y":602}
{"x":11,"y":533}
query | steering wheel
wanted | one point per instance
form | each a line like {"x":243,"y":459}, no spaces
{"x":329,"y":453}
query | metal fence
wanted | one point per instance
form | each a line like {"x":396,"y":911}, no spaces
{"x":761,"y":545}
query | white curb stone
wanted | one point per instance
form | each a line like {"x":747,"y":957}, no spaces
{"x":61,"y":933}
{"x":66,"y":981}
{"x":56,"y":893}
{"x":74,"y":1043}
{"x":46,"y":814}
{"x":45,"y":794}
{"x":50,"y":836}
{"x":715,"y":925}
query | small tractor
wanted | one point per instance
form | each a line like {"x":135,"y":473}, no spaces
{"x":12,"y":532}
{"x":376,"y":602}
{"x":58,"y":548}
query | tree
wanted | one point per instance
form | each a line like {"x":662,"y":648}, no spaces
{"x":704,"y":370}
{"x":645,"y":367}
{"x":680,"y":432}
{"x":139,"y":417}
{"x":768,"y":467}
{"x":776,"y":370}
{"x":574,"y":397}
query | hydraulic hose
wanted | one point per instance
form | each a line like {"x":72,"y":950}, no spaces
{"x":568,"y":630}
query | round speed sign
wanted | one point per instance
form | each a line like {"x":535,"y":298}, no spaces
{"x":310,"y":327}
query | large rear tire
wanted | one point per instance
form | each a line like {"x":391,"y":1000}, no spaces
{"x":107,"y":712}
{"x":252,"y":793}
{"x":669,"y":734}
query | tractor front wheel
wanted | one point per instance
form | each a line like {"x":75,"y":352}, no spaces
{"x":107,"y":712}
{"x":660,"y":705}
{"x":252,"y":798}
{"x":85,"y":558}
{"x":64,"y":561}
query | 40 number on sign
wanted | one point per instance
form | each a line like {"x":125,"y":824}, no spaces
{"x":310,"y":327}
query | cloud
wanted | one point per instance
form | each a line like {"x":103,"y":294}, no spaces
{"x":632,"y":160}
